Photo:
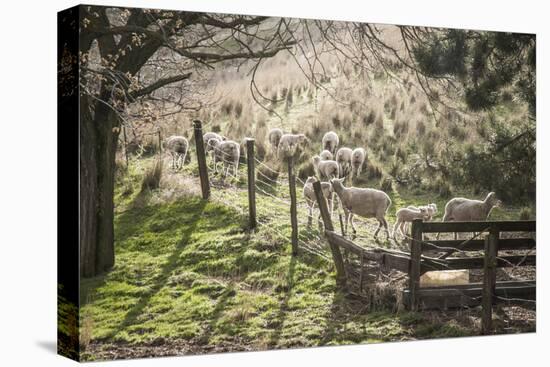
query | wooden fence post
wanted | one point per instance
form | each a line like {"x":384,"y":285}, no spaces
{"x":293,"y":210}
{"x":251,"y":183}
{"x":160,"y":144}
{"x":201,"y":160}
{"x":414,"y":272}
{"x":489,"y":280}
{"x":334,"y":249}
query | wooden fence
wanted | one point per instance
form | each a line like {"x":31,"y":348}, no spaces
{"x":416,"y":263}
{"x":251,"y":183}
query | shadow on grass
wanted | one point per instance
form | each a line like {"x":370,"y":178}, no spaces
{"x":172,"y":263}
{"x":283,"y":309}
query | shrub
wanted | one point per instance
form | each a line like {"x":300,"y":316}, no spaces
{"x":525,"y":213}
{"x":443,"y":188}
{"x":373,"y":171}
{"x":386,"y":184}
{"x":238,"y":109}
{"x":151,"y":179}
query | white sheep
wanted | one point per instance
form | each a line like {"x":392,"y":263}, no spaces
{"x":227,"y":152}
{"x":431,"y":209}
{"x":210,"y":149}
{"x":407,"y":215}
{"x":462,"y":209}
{"x":177,"y":146}
{"x":343,"y":158}
{"x":274,"y":137}
{"x":326,"y":155}
{"x":367,"y":203}
{"x":211,"y":135}
{"x":358,"y":157}
{"x":325,"y":169}
{"x":289,"y":143}
{"x":311,"y":199}
{"x":330,"y":141}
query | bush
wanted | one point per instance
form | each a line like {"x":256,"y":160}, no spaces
{"x":443,"y":188}
{"x":151,"y":179}
{"x":386,"y":184}
{"x":373,"y":171}
{"x":525,"y":213}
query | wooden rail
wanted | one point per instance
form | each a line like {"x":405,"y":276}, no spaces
{"x":486,"y":293}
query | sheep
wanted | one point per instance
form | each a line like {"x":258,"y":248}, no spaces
{"x":289,"y":143}
{"x":343,"y":157}
{"x":211,"y":135}
{"x":311,"y":200}
{"x":211,"y":147}
{"x":407,"y":215}
{"x":462,"y":209}
{"x":274,"y":137}
{"x":430,"y":208}
{"x":328,"y":169}
{"x":227,"y":152}
{"x":367,"y":203}
{"x":358,"y":157}
{"x":326,"y":155}
{"x":330,"y":141}
{"x":177,"y":146}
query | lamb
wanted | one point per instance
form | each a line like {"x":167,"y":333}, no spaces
{"x":462,"y":209}
{"x":328,"y":169}
{"x":330,"y":141}
{"x":343,"y":157}
{"x":177,"y":146}
{"x":289,"y":143}
{"x":311,"y":200}
{"x":326,"y":155}
{"x":274,"y":137}
{"x":211,"y":149}
{"x":431,"y":209}
{"x":407,"y":215}
{"x":227,"y":152}
{"x":367,"y":203}
{"x":358,"y":157}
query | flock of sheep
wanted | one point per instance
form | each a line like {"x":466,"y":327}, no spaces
{"x":335,"y":164}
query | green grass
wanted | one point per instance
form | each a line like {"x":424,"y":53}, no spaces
{"x":188,"y":270}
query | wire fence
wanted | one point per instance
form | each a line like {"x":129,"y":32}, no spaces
{"x":273,"y":201}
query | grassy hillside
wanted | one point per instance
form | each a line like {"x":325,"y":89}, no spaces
{"x":190,"y":278}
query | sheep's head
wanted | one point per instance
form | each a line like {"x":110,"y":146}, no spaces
{"x":491,"y":200}
{"x":424,"y":212}
{"x":316,"y":159}
{"x":337,"y":183}
{"x":433,"y":206}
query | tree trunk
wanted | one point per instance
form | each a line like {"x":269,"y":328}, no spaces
{"x":99,"y":137}
{"x":88,"y":191}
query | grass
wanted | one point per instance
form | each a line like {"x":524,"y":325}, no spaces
{"x":189,"y":276}
{"x":188,"y":270}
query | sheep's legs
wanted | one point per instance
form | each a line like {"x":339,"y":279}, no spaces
{"x":395,"y":228}
{"x":351,"y":220}
{"x":309,"y":215}
{"x":385,"y":223}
